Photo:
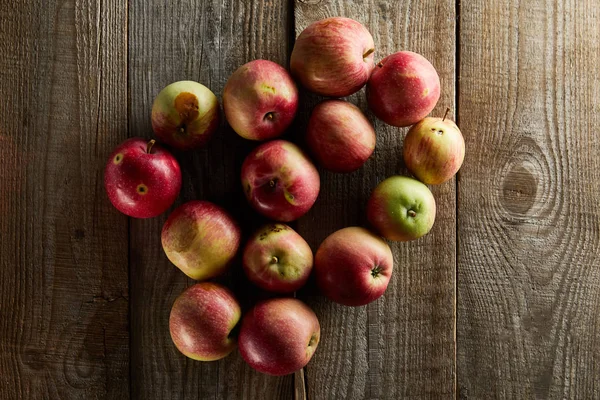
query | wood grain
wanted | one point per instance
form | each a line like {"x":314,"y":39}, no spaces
{"x":63,"y":249}
{"x":401,"y":346}
{"x":203,"y":41}
{"x":529,"y":233}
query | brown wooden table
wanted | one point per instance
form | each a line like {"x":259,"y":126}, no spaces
{"x":500,"y":300}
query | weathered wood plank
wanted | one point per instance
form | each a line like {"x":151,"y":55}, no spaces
{"x":401,"y":346}
{"x":63,"y":249}
{"x":203,"y":41}
{"x":529,"y":230}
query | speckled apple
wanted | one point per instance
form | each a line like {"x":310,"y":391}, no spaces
{"x":434,"y":150}
{"x":339,"y":136}
{"x":353,"y":266}
{"x":277,"y":258}
{"x":403,"y":88}
{"x":260,"y":100}
{"x":280,"y":181}
{"x":201,"y":239}
{"x":185,"y":115}
{"x":279,"y":336}
{"x":202,"y":319}
{"x":401,"y":209}
{"x":141,"y":178}
{"x":333,"y":57}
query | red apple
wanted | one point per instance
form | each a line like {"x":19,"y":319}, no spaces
{"x":279,"y":336}
{"x":353,"y":266}
{"x":339,"y":136}
{"x":260,"y":100}
{"x":333,"y":57}
{"x":401,"y":209}
{"x":279,"y":181}
{"x":185,"y":115}
{"x":141,"y":178}
{"x":434,"y":150}
{"x":201,"y":239}
{"x":202,"y":319}
{"x":403,"y":89}
{"x":278,"y":259}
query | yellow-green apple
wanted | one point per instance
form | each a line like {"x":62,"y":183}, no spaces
{"x":280,"y":181}
{"x":201,"y":239}
{"x":403,"y":88}
{"x":185,"y":115}
{"x":260,"y":100}
{"x":202,"y":319}
{"x":277,"y":258}
{"x":401,"y":208}
{"x":353,"y":266}
{"x":434,"y":150}
{"x":279,"y":336}
{"x":141,"y":178}
{"x":339,"y":136}
{"x":333,"y":57}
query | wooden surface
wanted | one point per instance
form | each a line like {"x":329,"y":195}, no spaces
{"x":528,"y":215}
{"x":85,"y":294}
{"x":401,"y":346}
{"x":63,"y":250}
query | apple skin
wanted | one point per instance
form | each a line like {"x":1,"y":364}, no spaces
{"x":142,"y":183}
{"x":185,"y":115}
{"x":339,"y":136}
{"x":279,"y":181}
{"x":279,"y":336}
{"x":260,"y":100}
{"x":333,"y":57}
{"x":278,"y":259}
{"x":353,"y":266}
{"x":403,"y":89}
{"x":202,"y":319}
{"x":401,"y":209}
{"x":201,"y":239}
{"x":434,"y":150}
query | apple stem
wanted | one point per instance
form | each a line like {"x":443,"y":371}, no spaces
{"x":380,"y":64}
{"x":272,"y":183}
{"x":446,"y":114}
{"x":150,"y":144}
{"x":274,"y":260}
{"x":412,"y":213}
{"x":369,"y":52}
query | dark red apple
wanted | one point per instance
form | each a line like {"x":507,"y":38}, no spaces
{"x":278,"y":259}
{"x":141,"y":178}
{"x":202,"y":319}
{"x":280,"y":181}
{"x":333,"y":57}
{"x":353,"y":266}
{"x":201,"y":239}
{"x":279,"y":336}
{"x":339,"y":136}
{"x":403,"y":89}
{"x":260,"y":100}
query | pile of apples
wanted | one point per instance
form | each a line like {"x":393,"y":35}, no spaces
{"x":333,"y":58}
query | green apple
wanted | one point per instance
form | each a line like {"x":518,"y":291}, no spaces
{"x":401,"y":209}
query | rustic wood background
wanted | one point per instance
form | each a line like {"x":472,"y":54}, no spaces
{"x":501,"y":300}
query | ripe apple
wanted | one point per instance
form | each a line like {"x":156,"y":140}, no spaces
{"x":279,"y":336}
{"x":141,"y":178}
{"x":202,"y":319}
{"x":353,"y":266}
{"x":279,"y":181}
{"x":434,"y":150}
{"x":201,"y":239}
{"x":333,"y":57}
{"x":260,"y":100}
{"x":401,"y":208}
{"x":185,"y":115}
{"x":403,"y":89}
{"x":339,"y":136}
{"x":278,"y":259}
